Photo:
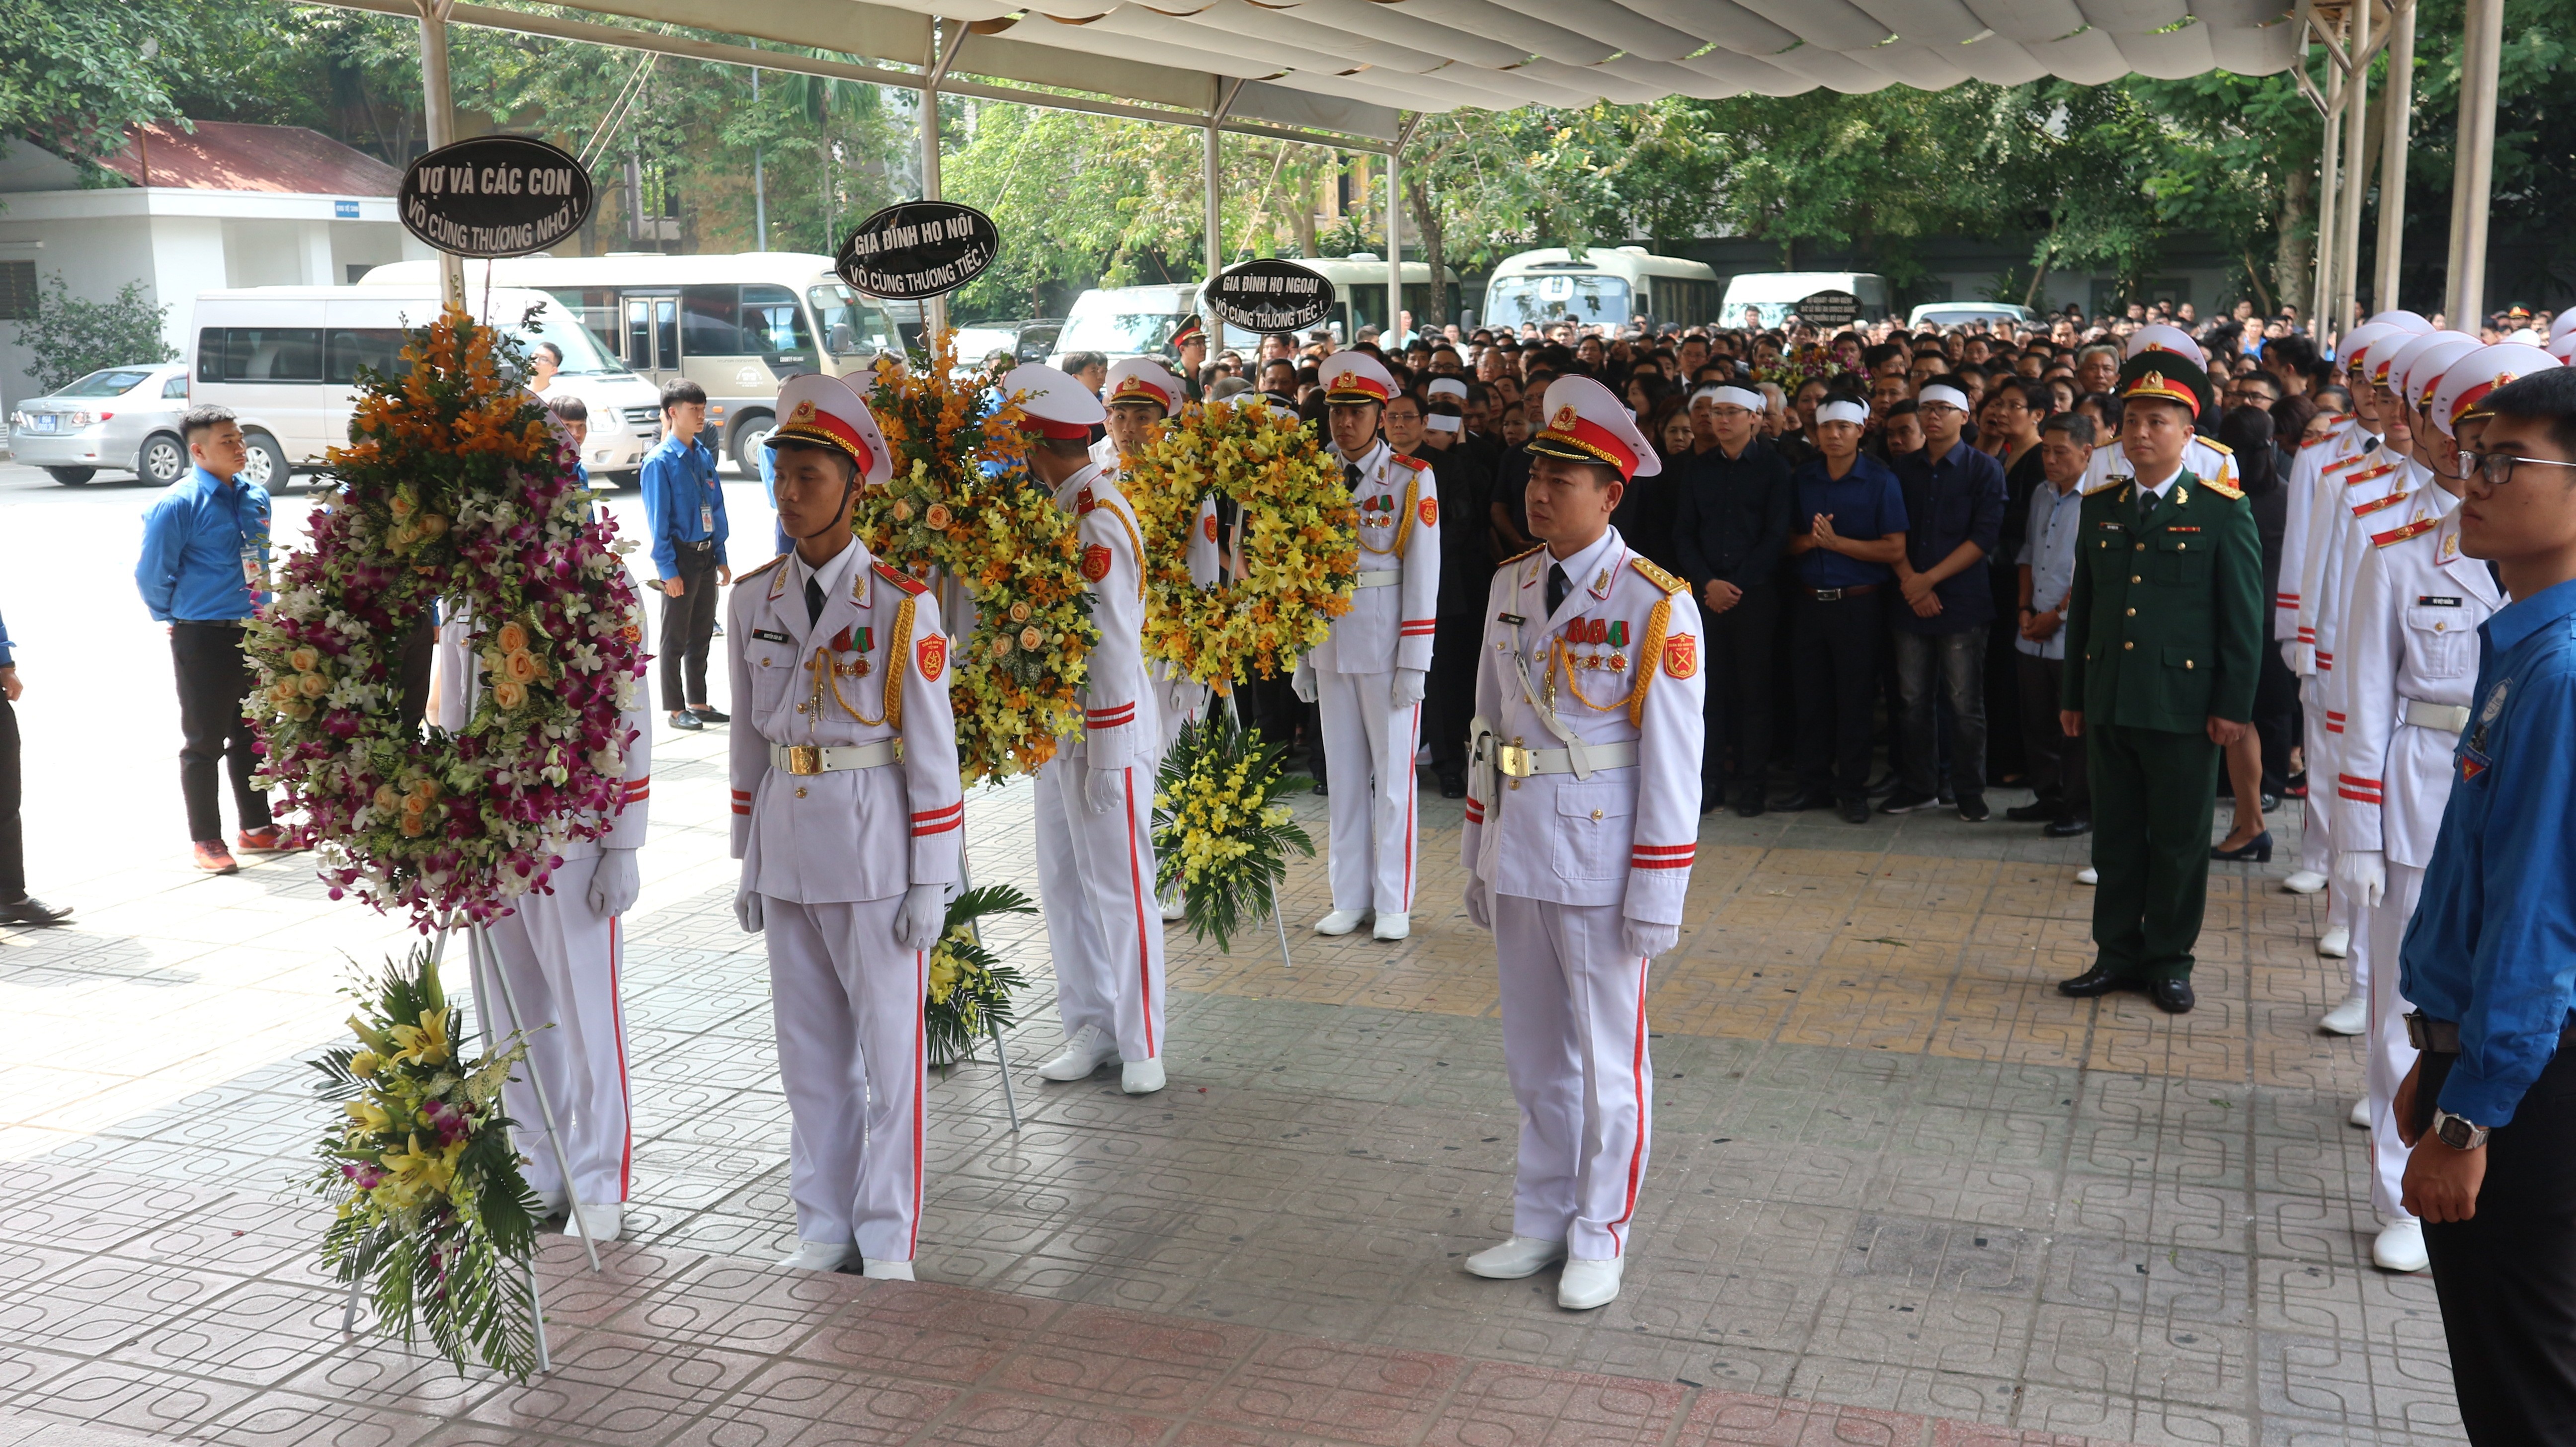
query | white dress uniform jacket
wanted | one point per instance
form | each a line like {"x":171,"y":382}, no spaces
{"x":1177,"y":699}
{"x":563,"y":960}
{"x":2289,"y":604}
{"x":1568,"y":858}
{"x":1096,"y":871}
{"x":2406,"y":674}
{"x":2313,"y":536}
{"x":1394,"y":612}
{"x":831,"y":854}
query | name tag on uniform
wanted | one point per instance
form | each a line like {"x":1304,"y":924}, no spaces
{"x":2429,"y":602}
{"x":766,"y":636}
{"x":2113,"y":527}
{"x":1513,"y":619}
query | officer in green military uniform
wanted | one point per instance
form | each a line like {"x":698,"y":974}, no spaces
{"x":2165,"y":631}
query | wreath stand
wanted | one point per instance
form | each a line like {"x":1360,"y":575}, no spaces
{"x":992,"y":1027}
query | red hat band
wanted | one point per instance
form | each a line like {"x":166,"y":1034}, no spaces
{"x":2470,"y":397}
{"x":1576,"y":430}
{"x":816,"y":425}
{"x":2158,"y":385}
{"x":1354,"y":381}
{"x":1137,"y":389}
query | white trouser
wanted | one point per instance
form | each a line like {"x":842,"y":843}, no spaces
{"x":2390,"y":1056}
{"x":849,"y":1002}
{"x":1096,"y":890}
{"x":1574,"y":1043}
{"x":2317,"y":747}
{"x":562,"y":958}
{"x":1371,"y":794}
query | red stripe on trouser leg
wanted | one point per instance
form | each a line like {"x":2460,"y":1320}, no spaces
{"x":1412,"y":742}
{"x":625,"y":1092}
{"x":920,"y":1086}
{"x":1637,"y":1081}
{"x":1136,"y":893}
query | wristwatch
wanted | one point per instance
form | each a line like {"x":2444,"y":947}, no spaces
{"x":2456,"y":1132}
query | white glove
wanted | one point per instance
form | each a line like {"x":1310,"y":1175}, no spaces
{"x":2365,"y":873}
{"x":2290,"y":654}
{"x":1649,"y":940}
{"x":1408,"y":687}
{"x":1480,"y":903}
{"x":615,"y":883}
{"x":1104,"y":789}
{"x":924,"y":914}
{"x":746,"y":908}
{"x":1303,"y":681}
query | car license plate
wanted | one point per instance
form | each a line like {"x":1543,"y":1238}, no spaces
{"x":43,"y":421}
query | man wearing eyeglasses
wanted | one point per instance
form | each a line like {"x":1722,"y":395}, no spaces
{"x":2490,"y":1105}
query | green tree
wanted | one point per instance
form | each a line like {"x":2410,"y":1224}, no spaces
{"x":74,"y":74}
{"x":69,"y":338}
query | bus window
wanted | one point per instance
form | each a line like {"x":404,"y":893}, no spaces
{"x":347,"y":349}
{"x":639,"y":334}
{"x":666,"y":330}
{"x":851,"y":326}
{"x":708,"y":322}
{"x":597,"y":308}
{"x":773,"y":325}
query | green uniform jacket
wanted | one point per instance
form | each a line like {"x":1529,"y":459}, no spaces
{"x":2165,"y":627}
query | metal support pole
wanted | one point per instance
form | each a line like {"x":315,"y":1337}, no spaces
{"x":2398,"y":100}
{"x":1002,"y":1062}
{"x":1215,"y":216}
{"x":2481,"y":51}
{"x":1394,"y":244}
{"x":947,"y":37}
{"x":2329,"y":196}
{"x":2356,"y":168}
{"x":759,"y":184}
{"x":479,"y":945}
{"x":438,"y":114}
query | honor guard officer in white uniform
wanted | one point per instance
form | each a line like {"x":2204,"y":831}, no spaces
{"x":1140,"y":395}
{"x":1095,"y":798}
{"x":846,"y":816}
{"x":1582,"y":823}
{"x":1367,"y":675}
{"x":563,"y":951}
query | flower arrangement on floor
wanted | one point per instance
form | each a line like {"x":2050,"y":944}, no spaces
{"x":431,"y":1218}
{"x":1809,"y":363}
{"x":1299,"y":542}
{"x":456,"y":485}
{"x":1222,"y":826}
{"x":962,"y":503}
{"x":970,"y":987}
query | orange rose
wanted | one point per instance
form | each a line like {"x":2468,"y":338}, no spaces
{"x":509,"y":693}
{"x":938,"y":517}
{"x":522,"y":667}
{"x":312,"y":685}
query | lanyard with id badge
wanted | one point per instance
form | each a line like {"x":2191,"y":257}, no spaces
{"x":254,"y":553}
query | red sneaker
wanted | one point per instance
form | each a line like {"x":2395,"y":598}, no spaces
{"x":270,"y":840}
{"x":213,"y":858}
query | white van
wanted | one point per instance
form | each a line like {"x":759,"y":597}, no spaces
{"x":285,"y":359}
{"x":1138,"y":321}
{"x":1606,"y":286}
{"x":1774,"y":295}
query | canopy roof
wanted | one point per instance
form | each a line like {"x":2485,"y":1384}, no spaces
{"x":1349,"y":66}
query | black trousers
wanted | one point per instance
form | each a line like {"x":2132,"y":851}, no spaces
{"x":1738,"y":705}
{"x":2506,"y":1277}
{"x":689,"y":628}
{"x":1835,"y":647}
{"x":2276,"y":717}
{"x":1449,"y":693}
{"x":2056,"y":761}
{"x":13,"y":839}
{"x":214,"y":678}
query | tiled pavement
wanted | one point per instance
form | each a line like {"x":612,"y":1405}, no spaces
{"x":1902,"y":1192}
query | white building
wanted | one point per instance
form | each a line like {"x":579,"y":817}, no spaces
{"x":190,"y":211}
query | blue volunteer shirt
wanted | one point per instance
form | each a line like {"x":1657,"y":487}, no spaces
{"x":8,"y":659}
{"x":683,"y":502}
{"x":205,"y":541}
{"x":1867,"y":503}
{"x":2493,"y":945}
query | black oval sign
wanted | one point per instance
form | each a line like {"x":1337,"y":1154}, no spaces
{"x":495,"y":196}
{"x":917,"y":249}
{"x":1828,"y":309}
{"x":1271,"y":296}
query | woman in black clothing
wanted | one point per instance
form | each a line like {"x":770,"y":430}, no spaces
{"x":2259,"y":763}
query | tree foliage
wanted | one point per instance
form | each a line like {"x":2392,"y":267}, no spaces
{"x":69,"y":337}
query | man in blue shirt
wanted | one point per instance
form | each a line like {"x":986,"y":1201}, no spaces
{"x":203,"y":572}
{"x":2047,"y":586}
{"x":17,"y":906}
{"x":1954,"y":505}
{"x":1849,"y":529}
{"x":2490,"y":957}
{"x":684,"y":511}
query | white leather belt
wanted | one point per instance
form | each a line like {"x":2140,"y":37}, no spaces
{"x":834,"y":758}
{"x":2448,"y":718}
{"x":1520,"y":763}
{"x":1387,"y":579}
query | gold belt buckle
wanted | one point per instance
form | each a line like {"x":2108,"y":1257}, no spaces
{"x":1515,"y":762}
{"x":804,"y":758}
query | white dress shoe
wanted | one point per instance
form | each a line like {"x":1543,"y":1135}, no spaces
{"x":2335,"y":946}
{"x":887,"y":1271}
{"x":1586,"y":1284}
{"x":2088,"y":875}
{"x":2400,"y":1248}
{"x":2304,"y":881}
{"x":2360,"y":1113}
{"x":1086,"y":1052}
{"x":2351,"y":1014}
{"x":601,"y":1220}
{"x":820,"y":1256}
{"x":1141,"y":1077}
{"x":1341,"y":921}
{"x":1520,"y":1256}
{"x":1393,"y":926}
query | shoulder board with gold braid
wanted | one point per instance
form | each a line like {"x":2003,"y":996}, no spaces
{"x":763,"y":568}
{"x":1647,"y":570}
{"x":905,"y":581}
{"x":2223,"y":486}
{"x":1406,"y":459}
{"x":2416,"y":528}
{"x":2214,"y":445}
{"x":2116,"y":479}
{"x":1516,"y":557}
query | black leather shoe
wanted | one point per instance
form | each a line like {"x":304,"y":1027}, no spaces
{"x":1452,"y":787}
{"x":705,"y":714}
{"x":2032,"y":813}
{"x":685,"y":720}
{"x":1855,"y":811}
{"x":1748,"y":803}
{"x":2174,"y":997}
{"x":33,"y":911}
{"x":1804,"y":800}
{"x":2099,"y":980}
{"x":2067,"y":828}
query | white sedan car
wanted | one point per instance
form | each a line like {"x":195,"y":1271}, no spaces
{"x":125,"y":418}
